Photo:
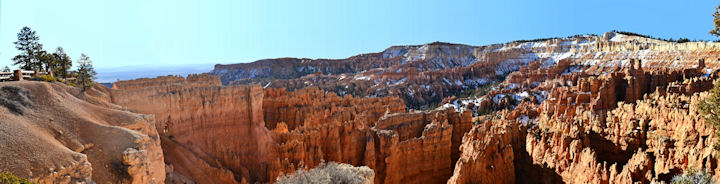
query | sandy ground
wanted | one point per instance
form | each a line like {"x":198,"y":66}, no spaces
{"x":53,"y":133}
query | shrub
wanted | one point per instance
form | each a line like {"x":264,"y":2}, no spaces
{"x":46,"y":78}
{"x":692,"y":177}
{"x":330,"y":173}
{"x":9,"y":178}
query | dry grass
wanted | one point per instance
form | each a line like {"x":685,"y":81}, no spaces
{"x":330,"y":173}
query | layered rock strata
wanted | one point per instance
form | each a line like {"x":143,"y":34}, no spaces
{"x":585,"y":109}
{"x":219,"y":128}
{"x":423,"y":75}
{"x":221,"y":133}
{"x":365,"y":131}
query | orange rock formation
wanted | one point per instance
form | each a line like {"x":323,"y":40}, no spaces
{"x":309,"y":126}
{"x":632,"y":125}
{"x":220,"y":128}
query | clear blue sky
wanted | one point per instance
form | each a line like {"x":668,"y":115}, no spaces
{"x":177,"y":32}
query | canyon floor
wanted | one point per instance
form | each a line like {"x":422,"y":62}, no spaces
{"x":611,"y":108}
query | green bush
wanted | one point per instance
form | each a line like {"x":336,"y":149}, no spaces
{"x":9,"y":178}
{"x":46,"y":78}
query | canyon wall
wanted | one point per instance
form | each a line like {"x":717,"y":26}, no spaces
{"x":584,"y":109}
{"x":222,"y":128}
{"x":423,"y":75}
{"x":222,"y":133}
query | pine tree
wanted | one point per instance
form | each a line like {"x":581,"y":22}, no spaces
{"x":30,"y":48}
{"x":85,"y":72}
{"x":6,"y":69}
{"x":710,"y":106}
{"x":710,"y":110}
{"x":45,"y":61}
{"x":716,"y":20}
{"x":62,"y":62}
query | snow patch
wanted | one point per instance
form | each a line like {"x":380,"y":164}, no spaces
{"x":362,"y":77}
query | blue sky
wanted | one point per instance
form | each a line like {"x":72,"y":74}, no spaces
{"x":144,"y":33}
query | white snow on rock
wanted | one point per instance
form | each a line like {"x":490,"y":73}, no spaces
{"x":619,"y":38}
{"x":362,"y":77}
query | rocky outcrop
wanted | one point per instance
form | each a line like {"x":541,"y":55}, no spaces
{"x":488,"y":154}
{"x":375,"y":132}
{"x":423,"y":75}
{"x":618,"y":126}
{"x":53,"y":133}
{"x":426,"y":57}
{"x":309,"y":126}
{"x":584,"y":109}
{"x":414,"y":147}
{"x":197,"y":117}
{"x":312,"y":126}
{"x":652,"y":141}
{"x":315,"y":107}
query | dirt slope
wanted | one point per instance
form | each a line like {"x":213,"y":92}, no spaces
{"x":53,"y":133}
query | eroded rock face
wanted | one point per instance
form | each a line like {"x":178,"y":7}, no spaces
{"x":424,"y":75}
{"x":220,"y":133}
{"x":414,"y":147}
{"x":221,"y":126}
{"x":312,"y":126}
{"x":651,"y":141}
{"x":53,"y":133}
{"x":487,"y":154}
{"x":631,"y":125}
{"x":586,"y":109}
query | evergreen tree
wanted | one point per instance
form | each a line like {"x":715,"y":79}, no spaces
{"x":30,"y":48}
{"x":6,"y":69}
{"x":716,"y":20}
{"x":85,"y":72}
{"x":710,"y":106}
{"x":45,"y":61}
{"x":62,"y":62}
{"x":710,"y":110}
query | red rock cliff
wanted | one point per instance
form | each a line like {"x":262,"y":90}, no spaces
{"x":220,"y":127}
